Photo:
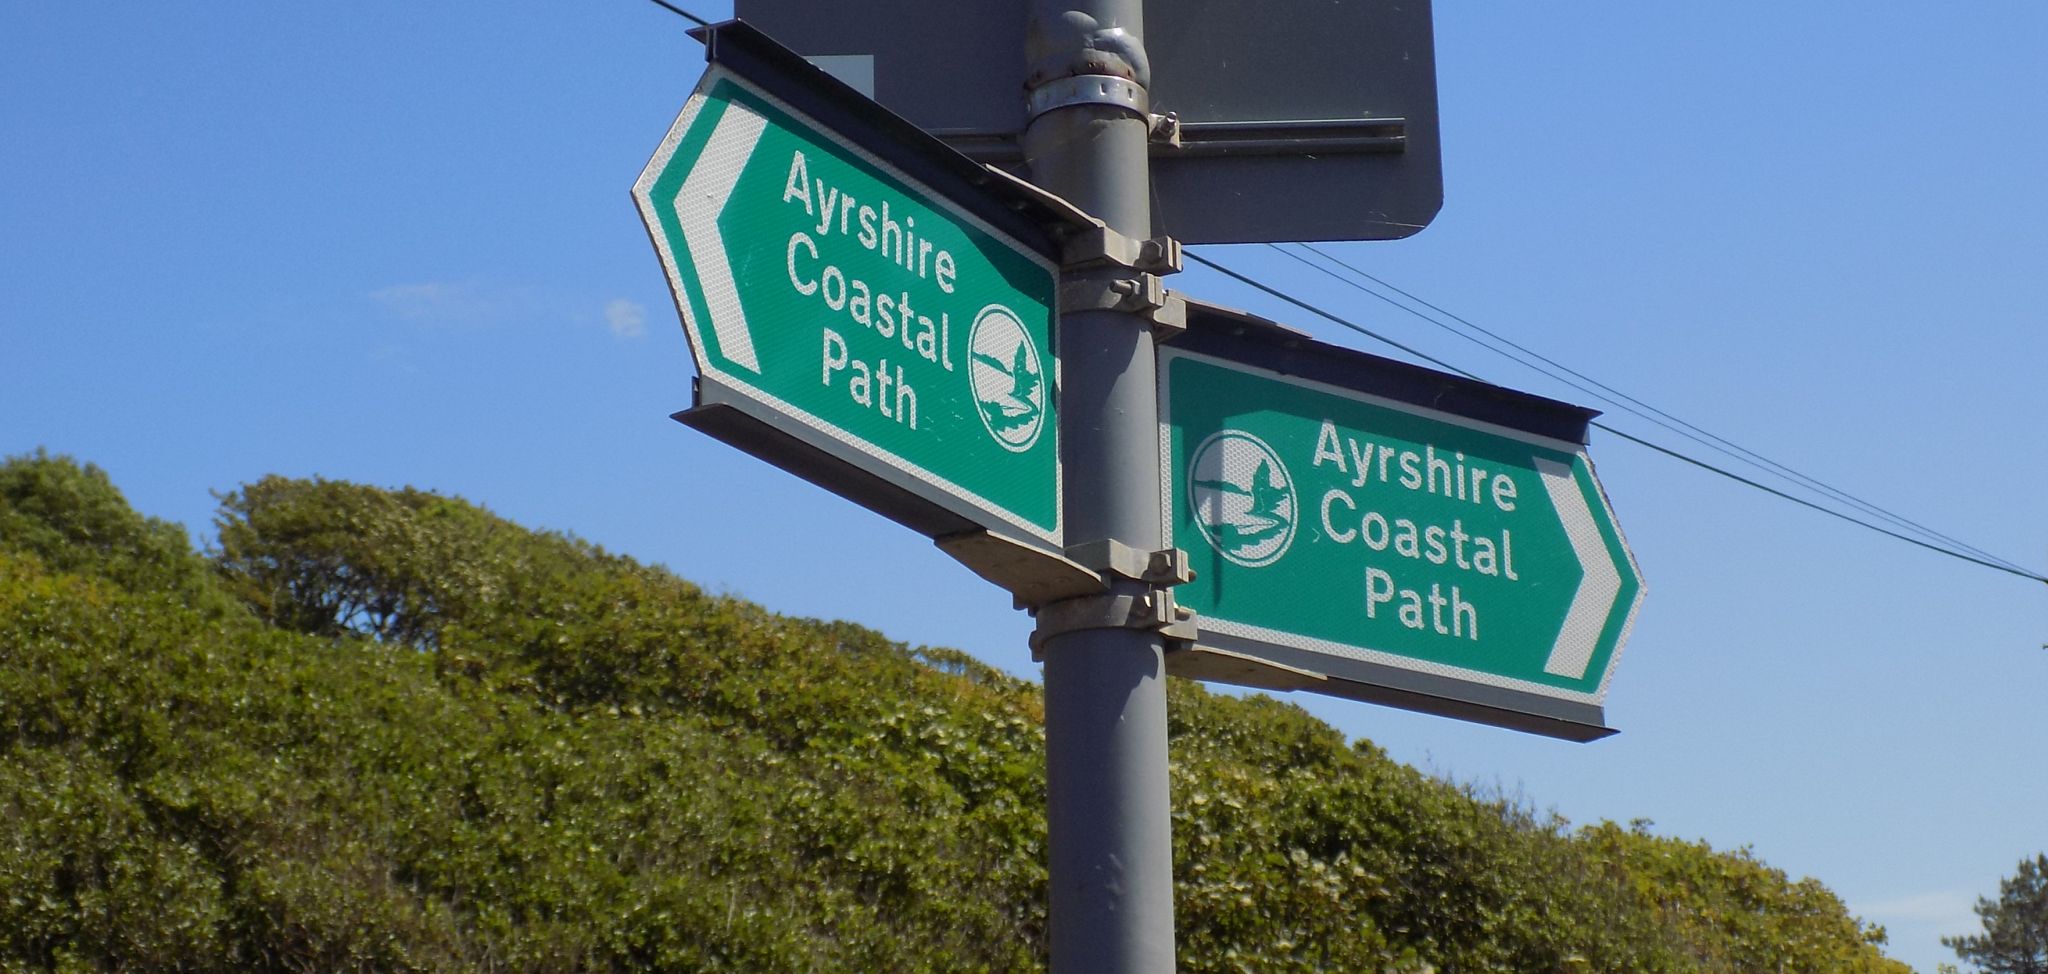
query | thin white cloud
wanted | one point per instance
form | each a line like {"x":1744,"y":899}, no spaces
{"x":627,"y":319}
{"x":456,"y":303}
{"x":1948,"y":909}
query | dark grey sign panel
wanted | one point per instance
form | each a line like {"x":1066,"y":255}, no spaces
{"x":1311,"y":120}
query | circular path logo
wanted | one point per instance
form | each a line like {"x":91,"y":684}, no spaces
{"x":1007,"y":378}
{"x":1242,"y":497}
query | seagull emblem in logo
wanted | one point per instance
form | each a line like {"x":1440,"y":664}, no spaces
{"x":1264,"y":519}
{"x":1018,"y":407}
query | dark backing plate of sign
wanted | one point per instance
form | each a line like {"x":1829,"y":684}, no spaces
{"x":1310,"y":120}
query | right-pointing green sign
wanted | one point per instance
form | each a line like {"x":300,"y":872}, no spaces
{"x":1443,"y":558}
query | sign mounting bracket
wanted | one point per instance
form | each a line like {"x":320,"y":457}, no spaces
{"x":1154,"y":610}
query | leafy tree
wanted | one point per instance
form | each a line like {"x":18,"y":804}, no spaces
{"x":71,"y":516}
{"x":389,"y":731}
{"x":329,"y":558}
{"x":2015,"y":937}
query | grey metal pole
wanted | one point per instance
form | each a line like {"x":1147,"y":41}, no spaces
{"x":1111,"y":852}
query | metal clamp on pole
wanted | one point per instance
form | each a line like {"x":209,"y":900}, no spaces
{"x":1118,"y":289}
{"x":1090,"y":89}
{"x":1134,"y":286}
{"x":1099,"y":246}
{"x":1110,"y":557}
{"x":1087,"y":242}
{"x":1113,"y":290}
{"x":1154,"y":611}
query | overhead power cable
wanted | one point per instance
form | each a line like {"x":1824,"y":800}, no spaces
{"x":1621,"y":400}
{"x":1312,"y":309}
{"x":680,"y":12}
{"x":1952,"y":549}
{"x":1831,"y":512}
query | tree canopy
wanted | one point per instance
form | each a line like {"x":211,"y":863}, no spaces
{"x":2014,"y":939}
{"x":386,"y":730}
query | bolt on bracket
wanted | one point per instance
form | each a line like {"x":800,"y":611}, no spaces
{"x":1165,"y":129}
{"x":1134,"y":293}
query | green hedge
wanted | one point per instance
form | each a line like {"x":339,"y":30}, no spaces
{"x":388,"y":731}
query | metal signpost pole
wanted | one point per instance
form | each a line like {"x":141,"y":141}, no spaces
{"x":1111,"y":856}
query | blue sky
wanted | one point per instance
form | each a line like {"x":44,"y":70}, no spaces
{"x":392,"y":243}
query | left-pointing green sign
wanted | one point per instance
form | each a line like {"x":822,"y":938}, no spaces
{"x":860,"y":308}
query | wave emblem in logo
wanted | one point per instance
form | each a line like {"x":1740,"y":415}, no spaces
{"x":1007,"y":377}
{"x":1243,"y":498}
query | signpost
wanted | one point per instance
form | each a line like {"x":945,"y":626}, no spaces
{"x":1397,"y":550}
{"x":837,"y":300}
{"x":878,"y":313}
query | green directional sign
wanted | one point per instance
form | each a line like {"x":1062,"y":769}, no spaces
{"x":858,"y":309}
{"x":1382,"y":541}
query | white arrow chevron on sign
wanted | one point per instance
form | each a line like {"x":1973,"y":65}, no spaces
{"x":1580,"y":634}
{"x":698,"y":203}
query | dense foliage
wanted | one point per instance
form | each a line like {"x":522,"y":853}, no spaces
{"x":2014,"y":939}
{"x":387,"y":730}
